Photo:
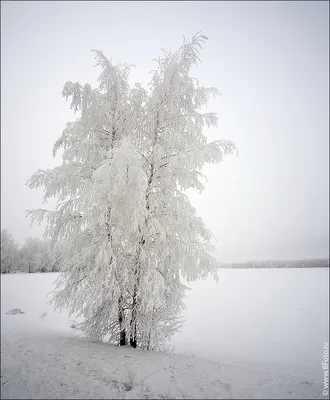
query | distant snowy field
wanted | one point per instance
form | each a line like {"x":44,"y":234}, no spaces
{"x":257,"y":333}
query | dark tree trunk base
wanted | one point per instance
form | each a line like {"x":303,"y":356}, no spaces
{"x":122,"y":338}
{"x":132,"y":342}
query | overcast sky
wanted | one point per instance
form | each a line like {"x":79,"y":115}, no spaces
{"x":270,"y":61}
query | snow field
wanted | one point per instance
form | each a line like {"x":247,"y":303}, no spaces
{"x":255,"y":334}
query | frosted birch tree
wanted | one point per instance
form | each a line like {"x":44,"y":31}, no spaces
{"x":128,"y":231}
{"x":97,"y":189}
{"x":173,"y":242}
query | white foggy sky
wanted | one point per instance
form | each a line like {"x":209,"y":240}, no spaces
{"x":269,"y":60}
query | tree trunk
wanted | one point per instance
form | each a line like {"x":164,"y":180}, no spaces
{"x":132,"y":340}
{"x":122,"y":340}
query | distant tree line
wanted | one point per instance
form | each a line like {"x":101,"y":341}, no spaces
{"x":309,"y":263}
{"x":34,"y":256}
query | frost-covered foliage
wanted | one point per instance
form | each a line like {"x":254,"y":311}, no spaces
{"x":9,"y":253}
{"x":127,"y":229}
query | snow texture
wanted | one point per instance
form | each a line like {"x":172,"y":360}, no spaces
{"x":278,"y":315}
{"x":15,"y":311}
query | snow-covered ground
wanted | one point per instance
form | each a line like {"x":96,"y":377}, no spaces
{"x":255,"y":334}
